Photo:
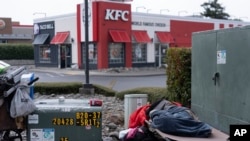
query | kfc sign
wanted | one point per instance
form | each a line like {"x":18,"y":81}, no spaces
{"x":115,"y":15}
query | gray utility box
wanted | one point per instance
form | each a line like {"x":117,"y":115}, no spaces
{"x":65,"y":120}
{"x":221,"y":76}
{"x":131,"y":103}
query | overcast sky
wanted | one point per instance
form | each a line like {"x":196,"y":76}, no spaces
{"x":25,"y":11}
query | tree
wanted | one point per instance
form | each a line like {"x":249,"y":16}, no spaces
{"x":213,"y":9}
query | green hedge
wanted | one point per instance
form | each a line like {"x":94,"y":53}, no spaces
{"x":16,"y":52}
{"x":154,"y":93}
{"x":47,"y":88}
{"x":61,"y":88}
{"x":179,"y":75}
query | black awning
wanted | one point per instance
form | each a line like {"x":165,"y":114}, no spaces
{"x":40,"y":39}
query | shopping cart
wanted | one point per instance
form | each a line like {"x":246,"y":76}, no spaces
{"x":11,"y":128}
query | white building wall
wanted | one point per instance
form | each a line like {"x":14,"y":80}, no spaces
{"x":140,"y":21}
{"x":68,"y":23}
{"x":63,"y":23}
{"x":216,"y":26}
{"x":90,"y":24}
{"x":150,"y":23}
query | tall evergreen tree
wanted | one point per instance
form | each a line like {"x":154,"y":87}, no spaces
{"x":214,"y":10}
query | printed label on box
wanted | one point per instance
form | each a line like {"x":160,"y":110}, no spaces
{"x":33,"y":119}
{"x":47,"y":134}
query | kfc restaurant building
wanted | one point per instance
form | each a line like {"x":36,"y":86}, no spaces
{"x":117,"y":36}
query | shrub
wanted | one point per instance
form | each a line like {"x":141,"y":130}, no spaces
{"x":68,"y":87}
{"x":154,"y":93}
{"x":179,"y":75}
{"x":104,"y":90}
{"x":16,"y":52}
{"x":57,"y":87}
{"x":46,"y":88}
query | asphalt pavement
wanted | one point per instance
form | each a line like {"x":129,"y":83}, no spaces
{"x":145,"y":71}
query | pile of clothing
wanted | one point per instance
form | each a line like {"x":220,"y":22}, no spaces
{"x":168,"y":117}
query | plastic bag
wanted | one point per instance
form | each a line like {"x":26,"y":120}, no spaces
{"x":21,"y":104}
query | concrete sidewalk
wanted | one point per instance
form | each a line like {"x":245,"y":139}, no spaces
{"x":149,"y":71}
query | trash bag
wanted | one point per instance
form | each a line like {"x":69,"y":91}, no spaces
{"x":21,"y":104}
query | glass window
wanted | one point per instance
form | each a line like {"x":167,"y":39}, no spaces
{"x":164,"y":48}
{"x":44,"y":54}
{"x":139,"y":53}
{"x":116,"y":53}
{"x":92,"y":54}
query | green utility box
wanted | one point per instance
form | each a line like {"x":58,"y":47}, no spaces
{"x":65,"y":120}
{"x":220,"y":77}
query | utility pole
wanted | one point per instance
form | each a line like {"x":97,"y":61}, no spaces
{"x":87,"y":87}
{"x":86,"y":41}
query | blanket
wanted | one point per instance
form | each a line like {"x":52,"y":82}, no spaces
{"x":176,"y":120}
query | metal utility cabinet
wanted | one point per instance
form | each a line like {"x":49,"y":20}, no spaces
{"x":131,"y":103}
{"x":221,"y":77}
{"x":65,"y":120}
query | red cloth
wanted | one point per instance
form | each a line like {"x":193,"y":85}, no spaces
{"x":138,"y":117}
{"x":177,"y":104}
